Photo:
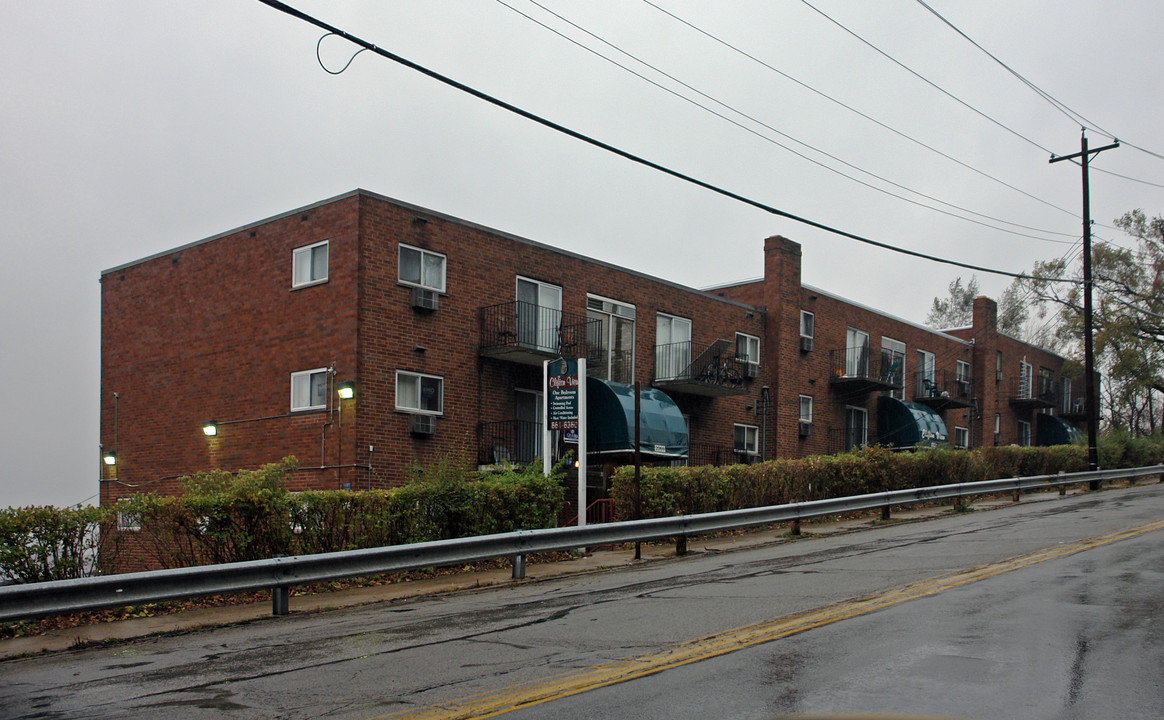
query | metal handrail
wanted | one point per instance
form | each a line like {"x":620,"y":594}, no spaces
{"x":61,"y":597}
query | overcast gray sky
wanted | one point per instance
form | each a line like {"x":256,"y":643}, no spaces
{"x":128,"y":128}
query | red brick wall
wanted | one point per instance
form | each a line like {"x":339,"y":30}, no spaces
{"x":213,"y":331}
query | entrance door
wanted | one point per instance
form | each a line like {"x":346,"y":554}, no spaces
{"x":856,"y":353}
{"x":529,"y":411}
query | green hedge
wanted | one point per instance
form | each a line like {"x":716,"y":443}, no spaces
{"x":249,"y":515}
{"x":671,"y":491}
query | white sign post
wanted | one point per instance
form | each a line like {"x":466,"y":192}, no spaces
{"x":564,"y":382}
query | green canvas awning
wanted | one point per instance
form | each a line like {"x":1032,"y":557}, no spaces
{"x":906,"y":425}
{"x":610,"y":428}
{"x":1050,"y":430}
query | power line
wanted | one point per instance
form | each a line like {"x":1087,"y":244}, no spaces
{"x":287,"y":9}
{"x":854,"y":110}
{"x":778,"y":132}
{"x":1061,"y":107}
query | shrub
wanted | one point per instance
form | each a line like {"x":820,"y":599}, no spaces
{"x":48,"y":543}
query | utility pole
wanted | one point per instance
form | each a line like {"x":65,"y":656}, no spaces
{"x":1092,"y":404}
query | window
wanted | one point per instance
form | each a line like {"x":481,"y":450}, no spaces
{"x":925,"y":376}
{"x":961,"y":437}
{"x":309,"y":265}
{"x":856,"y":427}
{"x":422,"y":268}
{"x":1024,"y":433}
{"x":1065,"y":400}
{"x":1025,"y":380}
{"x":1046,"y":386}
{"x":419,"y":393}
{"x":748,"y":348}
{"x":997,"y":429}
{"x":128,"y":522}
{"x":856,"y":353}
{"x":805,"y":408}
{"x":807,"y":324}
{"x":747,"y":439}
{"x":309,"y":390}
{"x":998,"y":366}
{"x":962,"y":379}
{"x":893,"y":365}
{"x":539,"y":315}
{"x":611,"y":345}
{"x":672,"y":346}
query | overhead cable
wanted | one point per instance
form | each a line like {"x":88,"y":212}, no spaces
{"x":854,"y":110}
{"x":775,"y":130}
{"x":293,"y":12}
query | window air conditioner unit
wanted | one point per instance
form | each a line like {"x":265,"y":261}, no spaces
{"x":421,"y":424}
{"x":806,"y":344}
{"x":751,"y":370}
{"x":425,"y":299}
{"x":805,"y":429}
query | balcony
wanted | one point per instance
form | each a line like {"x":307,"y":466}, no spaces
{"x":529,"y":334}
{"x":511,"y":441}
{"x":858,"y":370}
{"x":1025,"y":395}
{"x":943,"y":390}
{"x":703,"y":454}
{"x":716,"y":370}
{"x":1075,"y":410}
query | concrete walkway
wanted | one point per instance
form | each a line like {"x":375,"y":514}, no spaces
{"x":601,"y":560}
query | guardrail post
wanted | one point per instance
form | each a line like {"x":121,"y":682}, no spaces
{"x":795,"y":529}
{"x":681,"y":545}
{"x":1062,"y":486}
{"x":959,"y":504}
{"x":884,"y":513}
{"x":1016,"y":495}
{"x":281,"y":600}
{"x":519,"y":567}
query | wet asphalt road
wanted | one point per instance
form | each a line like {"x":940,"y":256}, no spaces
{"x":1077,"y":636}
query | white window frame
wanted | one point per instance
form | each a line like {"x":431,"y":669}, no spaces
{"x":864,"y":414}
{"x":926,"y":370}
{"x":749,"y":341}
{"x":961,"y":437}
{"x":543,"y":329}
{"x":610,"y":309}
{"x":811,"y":317}
{"x":856,"y":343}
{"x":896,"y":346}
{"x":1026,"y":387}
{"x":128,"y":521}
{"x":997,"y":428}
{"x":297,"y":380}
{"x":303,"y":261}
{"x":1065,"y":389}
{"x":420,"y":378}
{"x":1024,"y":433}
{"x":803,"y":417}
{"x":423,"y":254}
{"x":672,"y":361}
{"x":751,"y":449}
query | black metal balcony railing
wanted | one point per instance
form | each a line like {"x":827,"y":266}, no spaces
{"x":858,"y":369}
{"x":614,"y":365}
{"x":845,"y":439}
{"x":528,"y":333}
{"x":1035,"y":393}
{"x":513,"y":441}
{"x":703,"y":454}
{"x":1074,"y":408}
{"x":715,"y":370}
{"x":943,"y":389}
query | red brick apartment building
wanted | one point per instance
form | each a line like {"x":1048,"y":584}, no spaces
{"x":363,"y":335}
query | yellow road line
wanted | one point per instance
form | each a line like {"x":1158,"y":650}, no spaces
{"x":535,"y":692}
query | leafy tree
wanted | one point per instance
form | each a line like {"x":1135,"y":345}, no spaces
{"x":1127,"y":318}
{"x":957,"y":309}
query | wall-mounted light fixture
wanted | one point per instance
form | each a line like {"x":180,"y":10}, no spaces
{"x":210,"y":428}
{"x":346,"y":390}
{"x":110,"y":458}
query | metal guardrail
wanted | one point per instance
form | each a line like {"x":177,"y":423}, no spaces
{"x":61,"y":597}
